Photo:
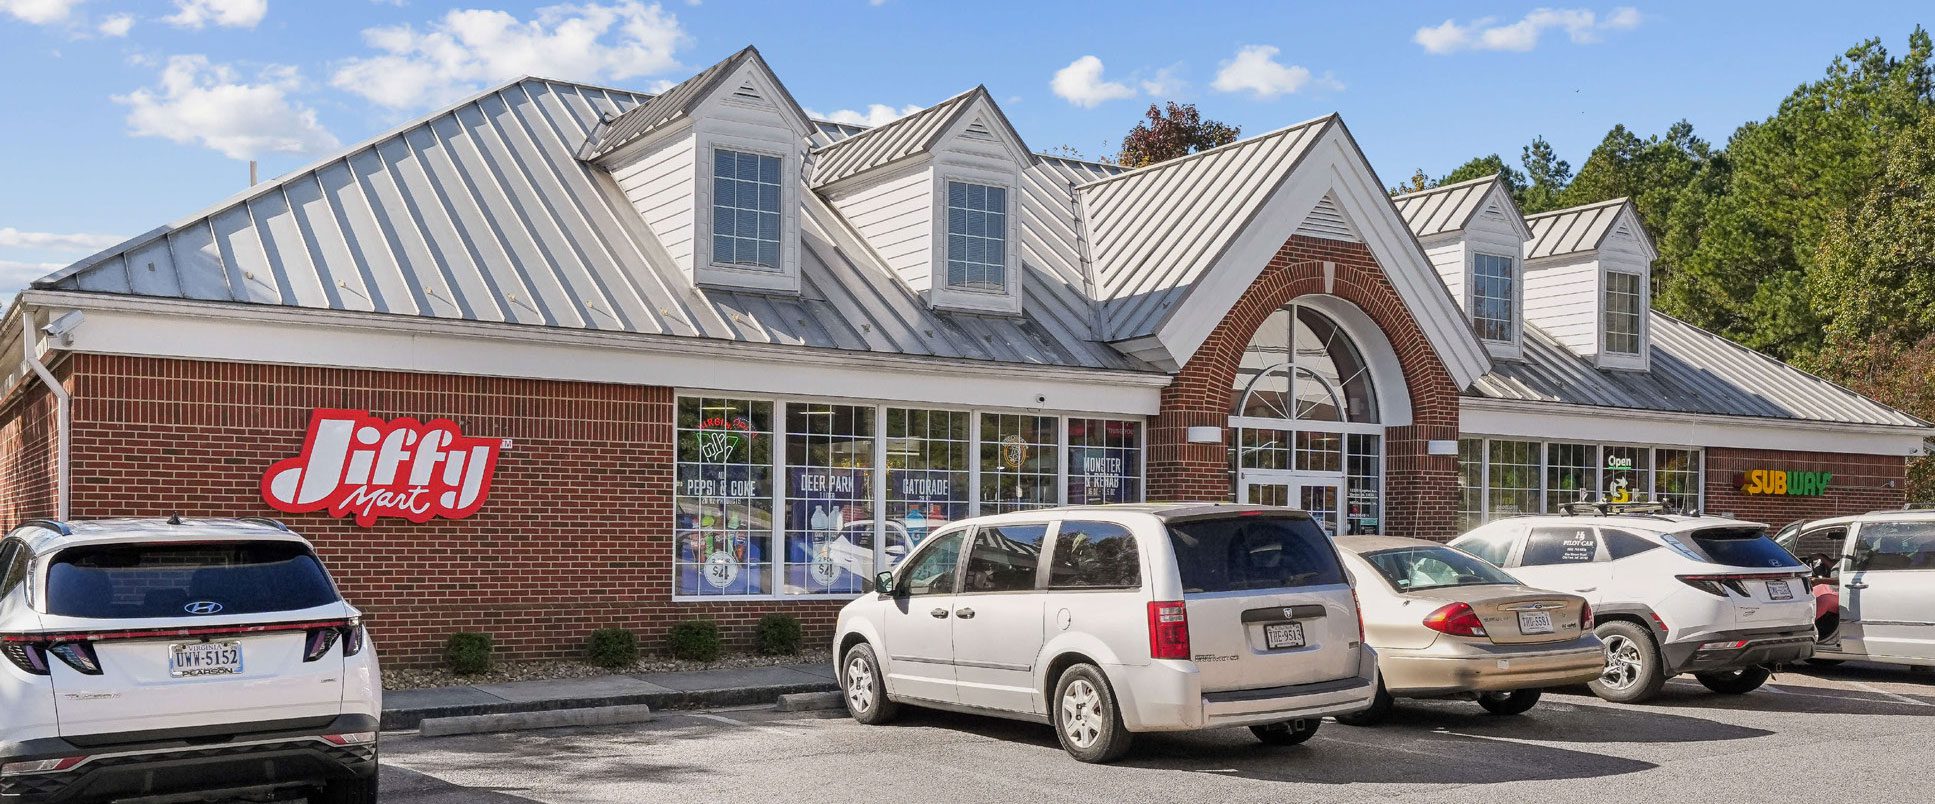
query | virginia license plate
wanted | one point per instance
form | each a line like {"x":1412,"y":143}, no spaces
{"x":1535,"y":622}
{"x":1283,"y":635}
{"x":197,"y":659}
{"x":1779,"y":590}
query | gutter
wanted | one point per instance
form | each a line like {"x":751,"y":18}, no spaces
{"x":63,"y":417}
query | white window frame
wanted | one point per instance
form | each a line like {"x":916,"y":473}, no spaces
{"x":777,"y":530}
{"x":940,"y":294}
{"x":1598,"y":473}
{"x":784,"y":278}
{"x":1514,"y":327}
{"x":1640,"y":303}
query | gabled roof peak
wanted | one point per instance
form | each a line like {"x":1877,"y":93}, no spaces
{"x":1580,"y":229}
{"x":677,"y":103}
{"x":1206,"y":152}
{"x":907,"y":137}
{"x":1449,"y":208}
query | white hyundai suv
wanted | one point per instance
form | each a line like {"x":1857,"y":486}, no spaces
{"x":1670,"y":593}
{"x":161,"y":658}
{"x":1142,"y":618}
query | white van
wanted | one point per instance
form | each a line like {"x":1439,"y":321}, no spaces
{"x":1159,"y":617}
{"x":1881,"y":568}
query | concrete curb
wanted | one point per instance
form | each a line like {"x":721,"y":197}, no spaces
{"x":409,"y":718}
{"x":520,"y":721}
{"x":809,"y":701}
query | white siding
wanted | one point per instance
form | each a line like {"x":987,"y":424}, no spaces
{"x":1562,"y":298}
{"x":1447,"y":254}
{"x":661,"y":187}
{"x":895,"y":217}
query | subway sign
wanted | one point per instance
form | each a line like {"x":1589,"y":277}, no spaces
{"x":1785,"y":482}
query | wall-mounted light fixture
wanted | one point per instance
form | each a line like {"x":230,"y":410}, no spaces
{"x":1441,"y":447}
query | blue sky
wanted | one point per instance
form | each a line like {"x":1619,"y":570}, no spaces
{"x":121,"y":115}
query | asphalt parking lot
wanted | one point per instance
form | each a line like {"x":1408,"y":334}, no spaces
{"x":1854,"y":732}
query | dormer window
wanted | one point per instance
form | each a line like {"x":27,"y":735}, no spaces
{"x":1621,"y":329}
{"x":746,"y":194}
{"x":1494,"y":297}
{"x":977,"y":237}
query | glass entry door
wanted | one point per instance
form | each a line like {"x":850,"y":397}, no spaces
{"x":1321,"y":496}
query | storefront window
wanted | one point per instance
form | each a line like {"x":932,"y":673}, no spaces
{"x":1104,"y":461}
{"x":723,"y":500}
{"x":1019,"y":459}
{"x":1471,"y":482}
{"x":829,"y":498}
{"x":927,"y":472}
{"x":1261,"y":448}
{"x":1320,"y":452}
{"x":1626,"y":474}
{"x":1676,"y":478}
{"x":1365,"y":484}
{"x":1571,"y":474}
{"x":1512,"y":478}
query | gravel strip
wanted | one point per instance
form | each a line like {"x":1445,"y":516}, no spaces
{"x":420,"y":678}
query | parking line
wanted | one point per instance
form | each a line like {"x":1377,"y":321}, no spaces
{"x":1878,"y":691}
{"x":717,"y":718}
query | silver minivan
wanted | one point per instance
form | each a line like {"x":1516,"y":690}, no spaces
{"x":1105,"y":621}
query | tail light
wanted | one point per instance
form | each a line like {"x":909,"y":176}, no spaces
{"x":40,"y":766}
{"x":1716,"y":585}
{"x":28,"y":656}
{"x":319,"y":641}
{"x":351,"y":738}
{"x":78,"y":655}
{"x":1358,"y":607}
{"x":1168,"y":630}
{"x":354,"y":638}
{"x":1456,"y":619}
{"x":1585,"y":617}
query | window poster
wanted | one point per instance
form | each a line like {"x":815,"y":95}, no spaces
{"x":723,"y":497}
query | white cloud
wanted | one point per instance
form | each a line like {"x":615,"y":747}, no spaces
{"x":1081,"y":83}
{"x":877,"y":114}
{"x":1582,"y":26}
{"x":210,"y":105}
{"x":467,"y":48}
{"x":15,"y":276}
{"x":56,"y":241}
{"x":225,"y":13}
{"x":116,"y":25}
{"x":1165,"y":83}
{"x":1255,"y":70}
{"x":39,"y":12}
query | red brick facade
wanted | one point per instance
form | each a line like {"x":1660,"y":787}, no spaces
{"x":576,"y":534}
{"x":28,"y":446}
{"x":1861,"y":483}
{"x":1421,"y":490}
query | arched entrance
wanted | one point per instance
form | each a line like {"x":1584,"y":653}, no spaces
{"x":1306,"y":424}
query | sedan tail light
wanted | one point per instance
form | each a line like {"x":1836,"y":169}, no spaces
{"x":1585,"y":617}
{"x":1168,"y":630}
{"x":1456,"y":619}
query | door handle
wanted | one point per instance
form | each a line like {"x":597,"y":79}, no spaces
{"x":1857,"y":585}
{"x":939,"y":614}
{"x":1587,"y":589}
{"x":965,"y":614}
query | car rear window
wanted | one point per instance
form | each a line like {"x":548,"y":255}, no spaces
{"x":1253,"y":552}
{"x":1741,"y":547}
{"x":1409,"y":569}
{"x":167,"y":580}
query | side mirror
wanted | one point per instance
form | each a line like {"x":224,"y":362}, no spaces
{"x":883,"y":582}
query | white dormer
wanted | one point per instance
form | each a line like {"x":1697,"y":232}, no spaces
{"x":937,"y":195}
{"x":1589,"y":277}
{"x":715,"y":166}
{"x":1474,"y":235}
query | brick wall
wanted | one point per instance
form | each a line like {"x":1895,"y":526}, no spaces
{"x":1421,"y":490}
{"x":576,"y":534}
{"x":1861,"y":483}
{"x":28,"y":448}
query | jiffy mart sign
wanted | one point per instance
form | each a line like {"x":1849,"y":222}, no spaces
{"x":354,"y":464}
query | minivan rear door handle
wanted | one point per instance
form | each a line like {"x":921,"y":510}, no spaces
{"x":965,"y":614}
{"x":939,"y":614}
{"x":1857,"y":585}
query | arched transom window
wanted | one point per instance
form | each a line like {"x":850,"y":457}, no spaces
{"x":1302,"y":367}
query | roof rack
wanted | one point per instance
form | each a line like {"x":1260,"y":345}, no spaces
{"x":1656,"y":510}
{"x":1918,"y":506}
{"x":54,"y":525}
{"x":263,"y":520}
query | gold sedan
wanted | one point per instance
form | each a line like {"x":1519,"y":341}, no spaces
{"x":1447,"y":624}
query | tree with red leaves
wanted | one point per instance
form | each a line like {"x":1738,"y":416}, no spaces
{"x":1177,"y":131}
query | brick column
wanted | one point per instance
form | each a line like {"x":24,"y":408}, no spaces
{"x":1421,"y":490}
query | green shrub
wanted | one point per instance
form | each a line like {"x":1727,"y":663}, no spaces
{"x":467,"y":653}
{"x":779,"y":635}
{"x":612,"y":647}
{"x":695,"y":640}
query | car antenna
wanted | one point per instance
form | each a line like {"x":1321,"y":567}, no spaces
{"x":174,"y":518}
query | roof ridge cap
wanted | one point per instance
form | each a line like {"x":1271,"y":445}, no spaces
{"x":1146,"y":169}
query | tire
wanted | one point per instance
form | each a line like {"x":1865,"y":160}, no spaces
{"x":1735,"y":682}
{"x":1516,"y":702}
{"x":347,"y":791}
{"x":1634,"y":670}
{"x":863,"y":688}
{"x":1295,"y":732}
{"x":1379,"y":711}
{"x":1086,"y":719}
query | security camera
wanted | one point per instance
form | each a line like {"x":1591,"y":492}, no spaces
{"x":63,"y":326}
{"x":1041,"y":399}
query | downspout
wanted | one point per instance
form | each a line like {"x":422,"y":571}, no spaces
{"x":63,"y":416}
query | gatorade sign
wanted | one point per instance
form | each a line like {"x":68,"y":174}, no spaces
{"x":1785,"y":482}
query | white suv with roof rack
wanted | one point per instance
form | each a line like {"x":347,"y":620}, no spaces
{"x":145,"y":657}
{"x":1670,"y":593}
{"x":1104,"y":621}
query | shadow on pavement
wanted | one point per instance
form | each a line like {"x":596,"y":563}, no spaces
{"x":1796,"y":699}
{"x":402,"y":783}
{"x":1567,"y":722}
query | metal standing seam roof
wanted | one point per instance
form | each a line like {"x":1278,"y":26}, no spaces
{"x":672,"y":105}
{"x":1692,"y":371}
{"x":904,"y":138}
{"x":1571,"y":231}
{"x":1157,"y":229}
{"x":1446,"y":208}
{"x":483,"y":212}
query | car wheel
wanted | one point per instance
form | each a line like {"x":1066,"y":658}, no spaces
{"x":1633,"y":668}
{"x":863,"y":688}
{"x":1086,"y":719}
{"x":347,"y":791}
{"x":1379,"y":711}
{"x":1295,"y":732}
{"x":1734,"y":682}
{"x":1516,"y":702}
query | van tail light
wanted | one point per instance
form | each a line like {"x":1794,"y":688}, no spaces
{"x":353,"y":638}
{"x":78,"y":655}
{"x":319,"y":641}
{"x":1456,"y":619}
{"x":27,"y":655}
{"x":1358,"y":606}
{"x":1168,"y":630}
{"x":1585,"y":617}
